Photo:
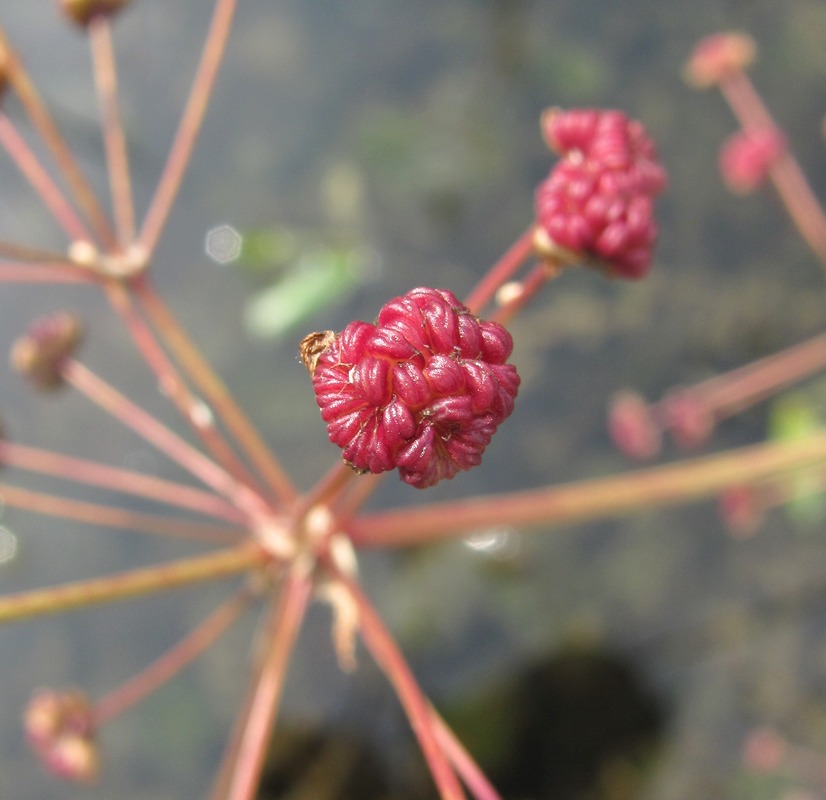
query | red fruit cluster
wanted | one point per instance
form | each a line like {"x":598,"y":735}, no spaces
{"x":597,"y":202}
{"x":423,"y":389}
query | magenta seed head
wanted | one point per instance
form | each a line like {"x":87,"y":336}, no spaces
{"x":597,"y":203}
{"x":747,"y":156}
{"x":422,"y":390}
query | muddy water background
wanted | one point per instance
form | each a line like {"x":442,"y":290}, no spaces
{"x":410,"y":129}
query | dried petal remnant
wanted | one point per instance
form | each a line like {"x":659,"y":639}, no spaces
{"x":41,"y":353}
{"x":423,"y":390}
{"x":717,"y":57}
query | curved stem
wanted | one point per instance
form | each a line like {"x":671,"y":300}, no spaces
{"x":125,"y":585}
{"x":114,"y":141}
{"x":167,"y":666}
{"x":113,"y":517}
{"x":589,"y":499}
{"x":189,"y":126}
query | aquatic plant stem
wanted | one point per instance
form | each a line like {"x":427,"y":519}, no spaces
{"x":502,"y":271}
{"x":189,"y":126}
{"x":167,"y":666}
{"x":243,"y":763}
{"x":214,"y":390}
{"x":49,"y":133}
{"x":171,"y":383}
{"x":593,"y":499}
{"x":48,"y":191}
{"x":117,"y":479}
{"x":168,"y":442}
{"x":114,"y":517}
{"x":801,"y":202}
{"x":391,"y":661}
{"x":126,"y":585}
{"x":44,"y":273}
{"x":114,"y":141}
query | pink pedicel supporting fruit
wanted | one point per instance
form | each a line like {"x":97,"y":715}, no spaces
{"x":597,"y":204}
{"x":423,"y":389}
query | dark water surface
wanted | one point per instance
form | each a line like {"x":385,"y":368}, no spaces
{"x":409,"y":129}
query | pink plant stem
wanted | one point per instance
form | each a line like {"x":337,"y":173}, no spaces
{"x":114,"y":517}
{"x":581,"y":501}
{"x":146,"y":426}
{"x":535,"y":280}
{"x":469,"y":771}
{"x":43,"y":273}
{"x":728,"y":394}
{"x":125,"y":585}
{"x":240,"y":774}
{"x":196,"y":413}
{"x":215,"y":391}
{"x":171,"y":663}
{"x":503,"y":270}
{"x":20,"y":252}
{"x":189,"y":126}
{"x":40,"y":181}
{"x":388,"y":656}
{"x":49,"y":133}
{"x":118,"y":480}
{"x":103,"y":57}
{"x":789,"y":180}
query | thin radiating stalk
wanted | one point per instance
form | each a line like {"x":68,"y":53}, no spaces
{"x":49,"y":133}
{"x":119,"y":480}
{"x":189,"y":126}
{"x":168,"y":442}
{"x":801,"y":202}
{"x":502,"y":271}
{"x":114,"y":141}
{"x":215,"y":391}
{"x":114,"y":517}
{"x":243,"y":762}
{"x":196,"y":413}
{"x":469,"y":771}
{"x":391,"y":661}
{"x":126,"y":585}
{"x":590,"y":499}
{"x":43,"y":273}
{"x":21,"y":252}
{"x":170,"y":664}
{"x":48,"y":191}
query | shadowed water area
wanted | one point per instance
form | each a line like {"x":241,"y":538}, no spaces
{"x":399,"y":142}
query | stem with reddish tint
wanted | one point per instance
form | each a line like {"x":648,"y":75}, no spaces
{"x":502,"y":271}
{"x":589,"y":500}
{"x":119,"y":480}
{"x":189,"y":126}
{"x":43,"y":273}
{"x":49,"y":133}
{"x":171,"y":663}
{"x":196,"y":413}
{"x":126,"y":585}
{"x":114,"y":517}
{"x":214,"y":390}
{"x":114,"y":141}
{"x":388,"y":656}
{"x":240,"y":772}
{"x":48,"y":191}
{"x":168,"y":442}
{"x":789,"y":180}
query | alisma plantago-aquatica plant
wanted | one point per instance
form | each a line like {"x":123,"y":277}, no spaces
{"x":420,"y":391}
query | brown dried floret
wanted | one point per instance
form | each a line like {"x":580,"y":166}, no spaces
{"x":43,"y":350}
{"x":83,"y":11}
